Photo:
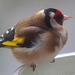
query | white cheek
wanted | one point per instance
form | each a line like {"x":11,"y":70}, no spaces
{"x":58,"y":26}
{"x":51,"y":14}
{"x":55,"y":24}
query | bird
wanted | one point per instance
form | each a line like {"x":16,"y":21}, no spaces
{"x":38,"y":38}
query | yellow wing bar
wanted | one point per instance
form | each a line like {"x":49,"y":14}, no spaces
{"x":14,"y":41}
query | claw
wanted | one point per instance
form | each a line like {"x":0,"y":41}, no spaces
{"x":33,"y":66}
{"x":52,"y":61}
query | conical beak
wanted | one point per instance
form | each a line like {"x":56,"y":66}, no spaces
{"x":66,"y":17}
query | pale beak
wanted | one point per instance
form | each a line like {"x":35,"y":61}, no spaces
{"x":66,"y":17}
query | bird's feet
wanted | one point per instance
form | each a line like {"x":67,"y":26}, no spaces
{"x":52,"y":61}
{"x":33,"y":66}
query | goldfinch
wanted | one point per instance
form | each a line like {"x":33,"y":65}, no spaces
{"x":38,"y":38}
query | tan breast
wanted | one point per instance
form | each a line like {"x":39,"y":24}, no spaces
{"x":51,"y":43}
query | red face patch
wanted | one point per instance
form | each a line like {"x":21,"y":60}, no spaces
{"x":58,"y":13}
{"x":58,"y":17}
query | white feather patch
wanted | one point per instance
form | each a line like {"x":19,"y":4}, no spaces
{"x":12,"y":28}
{"x":63,"y":33}
{"x":2,"y":35}
{"x":55,"y":24}
{"x":7,"y":32}
{"x":52,"y":14}
{"x":36,"y":46}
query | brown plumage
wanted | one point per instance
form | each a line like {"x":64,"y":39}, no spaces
{"x":51,"y":39}
{"x":36,"y":20}
{"x":44,"y":36}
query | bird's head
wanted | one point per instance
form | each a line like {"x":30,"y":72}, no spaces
{"x":54,"y":18}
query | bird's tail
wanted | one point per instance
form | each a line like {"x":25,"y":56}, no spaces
{"x":7,"y":39}
{"x":1,"y":41}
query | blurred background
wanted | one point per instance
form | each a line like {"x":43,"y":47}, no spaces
{"x":11,"y":11}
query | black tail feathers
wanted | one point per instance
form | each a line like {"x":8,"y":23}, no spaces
{"x":7,"y":36}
